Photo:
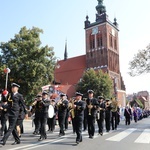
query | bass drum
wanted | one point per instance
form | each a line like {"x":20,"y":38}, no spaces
{"x":51,"y":111}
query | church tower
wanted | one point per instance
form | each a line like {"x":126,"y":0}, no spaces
{"x":102,"y":45}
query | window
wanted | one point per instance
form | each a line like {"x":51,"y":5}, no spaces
{"x":110,"y":41}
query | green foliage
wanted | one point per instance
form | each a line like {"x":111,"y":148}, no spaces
{"x":31,"y":64}
{"x":99,"y":81}
{"x":141,"y":62}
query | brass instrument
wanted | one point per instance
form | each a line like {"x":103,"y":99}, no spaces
{"x":71,"y":107}
{"x":60,"y":104}
{"x":98,"y":113}
{"x":34,"y":103}
{"x":90,"y":106}
{"x":114,"y":105}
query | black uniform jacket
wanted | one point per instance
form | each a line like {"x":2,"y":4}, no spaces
{"x":95,"y":104}
{"x":62,"y":108}
{"x":44,"y":108}
{"x":15,"y":102}
{"x":79,"y":110}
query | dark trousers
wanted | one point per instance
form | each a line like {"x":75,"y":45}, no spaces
{"x":114,"y":121}
{"x":51,"y":123}
{"x":37,"y":124}
{"x":3,"y":125}
{"x":78,"y":128}
{"x":43,"y":121}
{"x":61,"y":121}
{"x":66,"y":120}
{"x":107,"y":121}
{"x":128,"y":120}
{"x":73,"y":125}
{"x":91,"y":125}
{"x":100,"y":123}
{"x":85,"y":123}
{"x":11,"y":129}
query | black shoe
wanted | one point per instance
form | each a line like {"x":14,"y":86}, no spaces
{"x":2,"y":143}
{"x":35,"y":133}
{"x":91,"y":137}
{"x":15,"y":143}
{"x":77,"y":142}
{"x":101,"y":133}
{"x":41,"y":139}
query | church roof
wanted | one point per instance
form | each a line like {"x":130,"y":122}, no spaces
{"x":70,"y":70}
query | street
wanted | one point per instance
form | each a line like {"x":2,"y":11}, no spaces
{"x":132,"y":137}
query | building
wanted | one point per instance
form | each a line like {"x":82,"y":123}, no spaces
{"x":102,"y":52}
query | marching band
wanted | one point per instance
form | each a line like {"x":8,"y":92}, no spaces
{"x":83,"y":113}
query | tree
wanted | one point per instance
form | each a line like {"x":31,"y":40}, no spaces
{"x":141,"y":62}
{"x":31,"y":64}
{"x":99,"y":81}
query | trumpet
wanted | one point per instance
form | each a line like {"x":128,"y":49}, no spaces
{"x":35,"y":102}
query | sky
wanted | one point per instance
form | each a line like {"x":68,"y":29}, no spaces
{"x":63,"y":21}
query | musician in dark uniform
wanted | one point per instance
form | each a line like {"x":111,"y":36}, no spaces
{"x":107,"y":114}
{"x":37,"y":106}
{"x":62,"y":106}
{"x":52,"y":121}
{"x":100,"y":115}
{"x":44,"y":115}
{"x":92,"y":105}
{"x":15,"y":100}
{"x":72,"y":112}
{"x":79,"y":107}
{"x":114,"y":119}
{"x":85,"y":118}
{"x":21,"y":117}
{"x":4,"y":117}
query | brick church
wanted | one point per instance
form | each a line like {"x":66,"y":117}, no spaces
{"x":102,"y":52}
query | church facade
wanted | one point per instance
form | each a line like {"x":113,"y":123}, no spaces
{"x":102,"y":52}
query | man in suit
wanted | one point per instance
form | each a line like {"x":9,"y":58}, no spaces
{"x":107,"y":114}
{"x":44,"y":115}
{"x":36,"y":109}
{"x":15,"y":102}
{"x":100,"y":115}
{"x":62,"y":106}
{"x":92,"y":105}
{"x":79,"y":107}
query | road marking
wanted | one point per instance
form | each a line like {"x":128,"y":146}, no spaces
{"x":144,"y":137}
{"x":42,"y":143}
{"x":121,"y":135}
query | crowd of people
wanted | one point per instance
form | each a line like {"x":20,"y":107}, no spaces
{"x":84,"y":114}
